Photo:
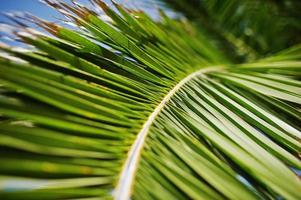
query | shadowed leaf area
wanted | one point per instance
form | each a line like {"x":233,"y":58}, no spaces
{"x":117,"y":104}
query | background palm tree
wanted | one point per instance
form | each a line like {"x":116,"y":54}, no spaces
{"x":124,"y":106}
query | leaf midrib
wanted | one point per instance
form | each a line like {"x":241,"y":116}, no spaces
{"x":127,"y":175}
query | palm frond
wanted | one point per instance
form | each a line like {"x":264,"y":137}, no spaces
{"x":144,"y":109}
{"x":247,"y":29}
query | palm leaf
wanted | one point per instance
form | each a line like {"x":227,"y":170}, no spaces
{"x":246,"y":29}
{"x":144,"y":109}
